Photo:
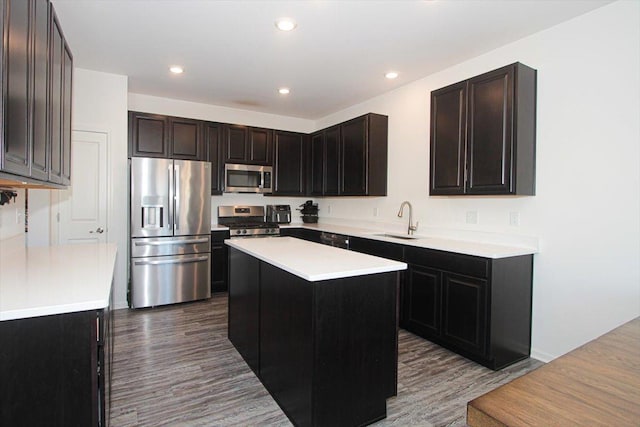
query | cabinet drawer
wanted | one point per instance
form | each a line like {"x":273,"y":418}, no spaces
{"x":448,"y":261}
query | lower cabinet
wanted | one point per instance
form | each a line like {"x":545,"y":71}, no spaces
{"x":477,"y":307}
{"x":56,"y":370}
{"x":302,"y":233}
{"x":219,"y":261}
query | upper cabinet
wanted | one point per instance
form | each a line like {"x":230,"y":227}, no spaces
{"x":324,"y":164}
{"x":247,"y":145}
{"x":289,"y":157}
{"x":483,"y":134}
{"x":213,"y":141}
{"x":350,"y":159}
{"x":154,"y":135}
{"x":37,"y":67}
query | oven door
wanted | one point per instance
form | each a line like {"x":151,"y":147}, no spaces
{"x":247,"y":178}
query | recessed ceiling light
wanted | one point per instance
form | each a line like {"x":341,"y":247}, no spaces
{"x":286,"y":24}
{"x":391,"y":75}
{"x":176,"y":69}
{"x":284,"y":91}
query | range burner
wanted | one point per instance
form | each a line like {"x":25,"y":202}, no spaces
{"x":246,"y":221}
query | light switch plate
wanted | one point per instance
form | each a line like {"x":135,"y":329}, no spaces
{"x":472,"y":217}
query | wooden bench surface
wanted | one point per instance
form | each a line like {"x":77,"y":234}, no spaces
{"x":594,"y":385}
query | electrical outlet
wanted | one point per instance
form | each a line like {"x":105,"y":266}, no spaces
{"x":375,"y":211}
{"x":514,"y":219}
{"x":328,"y":209}
{"x":472,"y":217}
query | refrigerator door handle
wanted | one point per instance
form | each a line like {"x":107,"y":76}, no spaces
{"x":172,"y":242}
{"x":171,"y":203}
{"x":172,"y":261}
{"x":176,"y":225}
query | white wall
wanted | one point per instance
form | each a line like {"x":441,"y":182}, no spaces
{"x":12,"y":221}
{"x":100,"y":104}
{"x":586,"y":211}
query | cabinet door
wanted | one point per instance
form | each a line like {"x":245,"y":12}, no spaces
{"x":186,"y":139}
{"x":354,"y":157}
{"x":332,"y":161}
{"x":464,"y":307}
{"x":289,"y":158}
{"x":422,"y":301}
{"x":213,"y":134}
{"x":16,"y":147}
{"x":67,"y":70}
{"x":260,"y":146}
{"x":40,"y":137}
{"x":489,"y":132}
{"x":219,"y":261}
{"x":149,"y":136}
{"x":448,"y":127}
{"x":56,"y":97}
{"x":235,"y":146}
{"x":316,"y":164}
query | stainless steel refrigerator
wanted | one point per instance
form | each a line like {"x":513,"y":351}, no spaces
{"x":170,"y":231}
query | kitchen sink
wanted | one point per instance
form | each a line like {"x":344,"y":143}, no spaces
{"x":398,"y":236}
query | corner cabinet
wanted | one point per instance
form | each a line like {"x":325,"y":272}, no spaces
{"x":56,"y":370}
{"x":155,"y":135}
{"x":37,"y":68}
{"x":363,"y":156}
{"x":483,"y":134}
{"x":350,"y":159}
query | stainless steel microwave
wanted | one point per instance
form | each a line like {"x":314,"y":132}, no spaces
{"x":247,"y":178}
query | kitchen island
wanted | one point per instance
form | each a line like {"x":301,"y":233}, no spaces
{"x":318,"y":325}
{"x":55,"y":334}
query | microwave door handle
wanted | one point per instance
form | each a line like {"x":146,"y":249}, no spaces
{"x":261,"y":180}
{"x":176,"y":225}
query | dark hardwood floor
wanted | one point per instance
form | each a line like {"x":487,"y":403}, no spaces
{"x":174,"y":366}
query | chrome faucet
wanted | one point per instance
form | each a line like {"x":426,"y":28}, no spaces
{"x":411,"y":227}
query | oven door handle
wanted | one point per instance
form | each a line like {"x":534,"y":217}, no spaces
{"x":172,"y":261}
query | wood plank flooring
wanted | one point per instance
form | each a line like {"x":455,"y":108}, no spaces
{"x":174,"y":366}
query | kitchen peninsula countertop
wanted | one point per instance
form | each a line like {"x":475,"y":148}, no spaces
{"x":41,"y":281}
{"x":313,"y":261}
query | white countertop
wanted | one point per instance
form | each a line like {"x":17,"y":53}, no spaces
{"x":313,"y":261}
{"x":40,"y":281}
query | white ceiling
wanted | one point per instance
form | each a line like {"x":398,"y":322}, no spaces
{"x":234,"y":56}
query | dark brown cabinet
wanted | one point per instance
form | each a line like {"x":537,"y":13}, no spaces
{"x":37,"y":74}
{"x":324,"y":164}
{"x":289,"y":157}
{"x":363,"y":156}
{"x":247,"y":145}
{"x":219,"y":261}
{"x":56,"y":370}
{"x":154,"y":135}
{"x":350,"y":159}
{"x":483,"y":134}
{"x":477,"y":307}
{"x":213,"y":141}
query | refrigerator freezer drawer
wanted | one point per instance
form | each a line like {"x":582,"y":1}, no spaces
{"x":170,"y":279}
{"x":160,"y":246}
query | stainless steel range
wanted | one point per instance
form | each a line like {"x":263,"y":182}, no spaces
{"x":246,"y":221}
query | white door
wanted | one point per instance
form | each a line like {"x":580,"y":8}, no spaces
{"x":83,"y":207}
